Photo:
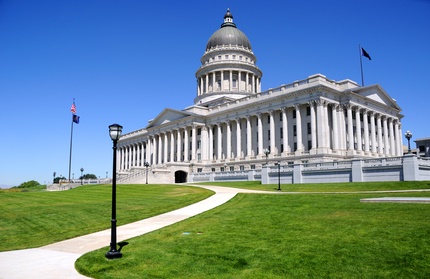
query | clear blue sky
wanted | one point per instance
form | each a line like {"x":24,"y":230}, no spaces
{"x":125,"y":61}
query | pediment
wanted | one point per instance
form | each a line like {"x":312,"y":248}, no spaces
{"x":377,"y":94}
{"x":166,"y":116}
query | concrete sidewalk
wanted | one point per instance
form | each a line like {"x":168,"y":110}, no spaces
{"x":57,"y":260}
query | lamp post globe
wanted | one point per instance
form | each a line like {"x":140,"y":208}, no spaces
{"x":115,"y":131}
{"x":408,"y":136}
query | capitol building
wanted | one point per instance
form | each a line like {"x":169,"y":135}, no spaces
{"x":235,"y":126}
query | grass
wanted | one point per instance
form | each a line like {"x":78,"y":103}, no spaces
{"x":33,"y":219}
{"x":326,"y":187}
{"x":283,"y":236}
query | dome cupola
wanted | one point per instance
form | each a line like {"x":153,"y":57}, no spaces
{"x":228,"y":34}
{"x":228,"y":71}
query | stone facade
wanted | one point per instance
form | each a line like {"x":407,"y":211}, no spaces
{"x":233,"y":125}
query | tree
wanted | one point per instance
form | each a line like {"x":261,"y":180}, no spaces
{"x":88,"y":176}
{"x":28,"y":184}
{"x":57,"y":179}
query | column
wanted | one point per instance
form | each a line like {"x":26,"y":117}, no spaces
{"x":207,"y":83}
{"x":272,"y":133}
{"x":247,"y":82}
{"x":378,"y":125}
{"x":366,"y":131}
{"x":210,"y":142}
{"x":219,"y":142}
{"x":230,"y":85}
{"x":373,"y":131}
{"x":313,"y":126}
{"x":139,"y":152}
{"x":248,"y":137}
{"x":335,"y":126}
{"x":172,"y":147}
{"x":358,"y":129}
{"x":239,"y":80}
{"x":299,"y":129}
{"x":160,"y":148}
{"x":193,"y":142}
{"x":228,"y":140}
{"x":260,"y":134}
{"x":178,"y":146}
{"x":386,"y":145}
{"x":238,"y":139}
{"x":253,"y":83}
{"x":186,"y":145}
{"x":350,"y":129}
{"x":320,"y":125}
{"x":204,"y":144}
{"x":148,"y":151}
{"x":165,"y":148}
{"x":285,"y":131}
{"x":398,"y":141}
{"x":222,"y":81}
{"x":213,"y":81}
{"x":327,"y":132}
{"x":391,"y":130}
{"x":342,"y":126}
{"x":155,"y":150}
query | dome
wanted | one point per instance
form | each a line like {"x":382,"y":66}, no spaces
{"x":228,"y":34}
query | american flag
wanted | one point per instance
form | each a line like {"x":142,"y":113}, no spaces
{"x":73,"y":108}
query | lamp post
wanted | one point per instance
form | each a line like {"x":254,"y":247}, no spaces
{"x":82,"y":175}
{"x":115,"y":133}
{"x":146,"y":164}
{"x":279,"y":175}
{"x":266,"y":152}
{"x":53,"y":180}
{"x":408,"y":136}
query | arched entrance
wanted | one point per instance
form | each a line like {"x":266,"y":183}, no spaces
{"x":180,"y":176}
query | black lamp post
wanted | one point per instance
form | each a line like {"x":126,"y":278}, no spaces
{"x":279,"y":175}
{"x":82,"y":175}
{"x":266,"y":152}
{"x":53,"y":180}
{"x":408,"y":136}
{"x":146,"y":164}
{"x":115,"y":133}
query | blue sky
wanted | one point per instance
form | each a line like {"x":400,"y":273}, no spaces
{"x":125,"y":61}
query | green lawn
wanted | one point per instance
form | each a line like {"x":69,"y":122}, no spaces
{"x":33,"y":219}
{"x":283,"y":236}
{"x":326,"y":187}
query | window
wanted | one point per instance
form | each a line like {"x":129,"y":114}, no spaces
{"x":199,"y":131}
{"x":268,"y":134}
{"x":234,"y":56}
{"x":199,"y":169}
{"x":226,"y":56}
{"x":309,"y":144}
{"x":213,"y":169}
{"x":294,"y":130}
{"x":268,"y":119}
{"x":219,"y":57}
{"x":252,"y":167}
{"x":308,"y":110}
{"x":240,"y":58}
{"x":231,"y":168}
{"x":281,"y":132}
{"x":309,"y":128}
{"x":241,"y":168}
{"x":294,"y":113}
{"x":234,"y":83}
{"x":280,"y":116}
{"x":295,"y":146}
{"x":282,"y":147}
{"x":422,"y":148}
{"x":222,"y":169}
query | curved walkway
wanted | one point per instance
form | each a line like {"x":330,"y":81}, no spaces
{"x":57,"y":260}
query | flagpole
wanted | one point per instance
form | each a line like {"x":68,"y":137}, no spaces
{"x":70,"y":156}
{"x":361,"y":65}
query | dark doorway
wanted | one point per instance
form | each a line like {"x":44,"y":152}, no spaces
{"x":180,"y":177}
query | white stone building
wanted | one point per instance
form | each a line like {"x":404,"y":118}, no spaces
{"x":233,"y":125}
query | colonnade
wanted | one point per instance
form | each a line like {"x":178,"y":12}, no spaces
{"x":228,"y":80}
{"x":316,"y":127}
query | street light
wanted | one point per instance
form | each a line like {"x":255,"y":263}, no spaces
{"x":408,"y":136}
{"x":266,"y":152}
{"x":279,"y":175}
{"x":146,"y":164}
{"x":115,"y":133}
{"x":82,"y":175}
